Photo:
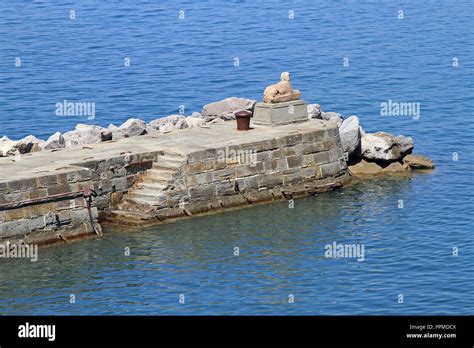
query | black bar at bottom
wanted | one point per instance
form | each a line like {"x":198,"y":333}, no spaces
{"x":342,"y":330}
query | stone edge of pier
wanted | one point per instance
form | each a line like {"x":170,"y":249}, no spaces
{"x":42,"y":203}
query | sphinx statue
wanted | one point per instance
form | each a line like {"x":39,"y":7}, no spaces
{"x":281,"y":105}
{"x":281,"y":91}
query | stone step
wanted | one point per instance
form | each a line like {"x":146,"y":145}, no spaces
{"x":144,"y":191}
{"x":132,"y":218}
{"x":144,"y":197}
{"x":169,"y":162}
{"x":159,"y":174}
{"x":157,"y":185}
{"x":166,"y":165}
{"x":172,"y":156}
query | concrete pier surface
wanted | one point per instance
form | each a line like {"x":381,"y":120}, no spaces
{"x":151,"y":178}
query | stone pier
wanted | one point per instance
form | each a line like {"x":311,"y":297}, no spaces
{"x":152,"y":178}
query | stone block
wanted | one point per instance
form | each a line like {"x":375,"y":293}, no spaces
{"x":121,"y":184}
{"x":46,"y":181}
{"x":199,"y":167}
{"x":22,"y":185}
{"x":293,"y":139}
{"x":37,"y":223}
{"x":251,"y":182}
{"x":14,"y":214}
{"x":329,"y":144}
{"x":280,"y":113}
{"x":202,"y":192}
{"x":335,"y":154}
{"x":294,"y":161}
{"x":14,"y":229}
{"x":37,"y":193}
{"x":16,"y":197}
{"x":330,"y":169}
{"x":322,"y":157}
{"x":270,"y":180}
{"x":270,"y":166}
{"x":79,"y":216}
{"x":225,"y":188}
{"x":288,"y":151}
{"x":332,"y":132}
{"x":312,"y":147}
{"x":264,"y":156}
{"x":292,"y":176}
{"x":58,"y":189}
{"x":310,"y":173}
{"x":225,"y":174}
{"x":248,"y":170}
{"x":283,"y":164}
{"x":233,"y":201}
{"x":202,"y":155}
{"x":258,"y":196}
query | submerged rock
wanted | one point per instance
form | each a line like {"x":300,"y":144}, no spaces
{"x":418,"y":162}
{"x":364,"y":168}
{"x":226,"y":108}
{"x":55,"y":141}
{"x":385,"y":146}
{"x":349,"y":132}
{"x":396,"y":167}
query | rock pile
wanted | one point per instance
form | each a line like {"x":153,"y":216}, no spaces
{"x":372,"y":153}
{"x":84,"y":134}
{"x":365,"y":153}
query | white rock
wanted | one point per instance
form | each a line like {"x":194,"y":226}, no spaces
{"x":166,"y":128}
{"x":6,"y":146}
{"x":226,"y":108}
{"x":314,"y":111}
{"x":28,"y":144}
{"x":131,"y":128}
{"x":349,"y":132}
{"x":85,"y":134}
{"x":332,"y":117}
{"x":181,"y":124}
{"x":385,"y":146}
{"x":194,"y":121}
{"x":55,"y":141}
{"x":152,"y":131}
{"x":171,"y":119}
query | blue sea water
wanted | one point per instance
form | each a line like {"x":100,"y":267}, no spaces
{"x":191,"y":62}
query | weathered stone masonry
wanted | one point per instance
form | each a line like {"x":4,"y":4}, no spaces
{"x":295,"y":164}
{"x":41,"y":195}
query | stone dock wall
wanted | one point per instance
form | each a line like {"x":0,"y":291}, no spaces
{"x":49,"y":208}
{"x":41,"y":197}
{"x":225,"y":177}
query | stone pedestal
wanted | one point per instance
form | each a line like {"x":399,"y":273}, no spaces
{"x":280,"y":113}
